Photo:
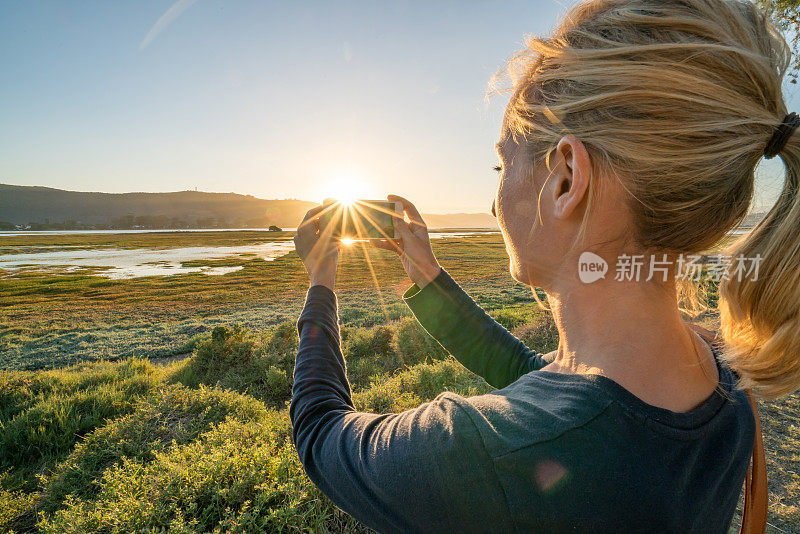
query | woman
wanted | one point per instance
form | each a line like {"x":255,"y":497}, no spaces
{"x":632,"y":133}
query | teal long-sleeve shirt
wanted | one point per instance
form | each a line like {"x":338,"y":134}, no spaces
{"x":545,"y":452}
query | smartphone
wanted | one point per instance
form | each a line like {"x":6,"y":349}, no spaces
{"x":362,"y":219}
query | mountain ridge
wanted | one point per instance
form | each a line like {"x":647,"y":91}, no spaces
{"x":40,"y":206}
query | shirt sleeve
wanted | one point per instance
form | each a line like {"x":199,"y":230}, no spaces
{"x":471,"y":335}
{"x":422,"y":470}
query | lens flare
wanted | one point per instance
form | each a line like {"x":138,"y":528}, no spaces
{"x":346,"y":190}
{"x":347,"y":199}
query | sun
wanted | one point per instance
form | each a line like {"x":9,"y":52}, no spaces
{"x":347,"y":197}
{"x":345,"y":189}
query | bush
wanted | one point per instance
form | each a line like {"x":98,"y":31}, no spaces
{"x":229,"y":465}
{"x":176,"y":415}
{"x":540,"y":334}
{"x":14,"y":501}
{"x":277,"y":387}
{"x":418,"y":384}
{"x":120,"y":448}
{"x":369,"y":343}
{"x":509,"y":318}
{"x":237,"y":477}
{"x":361,"y":373}
{"x":234,"y":359}
{"x":414,"y":345}
{"x":53,"y":410}
{"x":282,"y":345}
{"x":357,"y":316}
{"x":369,"y":352}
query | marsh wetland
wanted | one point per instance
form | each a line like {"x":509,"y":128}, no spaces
{"x":156,"y":399}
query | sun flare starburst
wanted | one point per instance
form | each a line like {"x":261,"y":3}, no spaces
{"x":346,"y":190}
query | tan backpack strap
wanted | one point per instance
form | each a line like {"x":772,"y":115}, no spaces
{"x":754,"y":515}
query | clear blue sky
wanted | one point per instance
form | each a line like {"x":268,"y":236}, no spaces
{"x":273,"y":99}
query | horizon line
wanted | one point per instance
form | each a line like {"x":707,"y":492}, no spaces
{"x":478,"y":212}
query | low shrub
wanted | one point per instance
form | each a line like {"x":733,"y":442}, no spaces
{"x":414,"y":345}
{"x":417,"y":384}
{"x":354,"y":316}
{"x":235,"y":359}
{"x":237,"y":477}
{"x":175,"y":415}
{"x":53,"y":410}
{"x":373,"y":342}
{"x":14,"y":501}
{"x":540,"y":333}
{"x":509,"y":318}
{"x":281,"y":346}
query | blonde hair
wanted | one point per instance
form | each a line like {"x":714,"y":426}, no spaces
{"x":678,"y":99}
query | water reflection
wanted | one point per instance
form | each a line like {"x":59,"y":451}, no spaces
{"x":132,"y":263}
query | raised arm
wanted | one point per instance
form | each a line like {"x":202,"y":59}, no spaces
{"x":479,"y":342}
{"x":467,"y":332}
{"x":424,"y":469}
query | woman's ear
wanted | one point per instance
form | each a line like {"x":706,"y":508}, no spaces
{"x":573,"y":179}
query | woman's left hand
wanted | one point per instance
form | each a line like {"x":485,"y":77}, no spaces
{"x":318,"y":250}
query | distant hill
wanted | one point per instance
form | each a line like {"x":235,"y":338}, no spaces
{"x":44,"y":207}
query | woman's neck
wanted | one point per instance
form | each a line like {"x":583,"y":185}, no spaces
{"x":633,"y":333}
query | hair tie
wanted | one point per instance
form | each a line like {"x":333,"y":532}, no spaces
{"x":781,"y":135}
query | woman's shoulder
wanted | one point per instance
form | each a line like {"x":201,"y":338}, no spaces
{"x":543,"y":406}
{"x":535,"y":408}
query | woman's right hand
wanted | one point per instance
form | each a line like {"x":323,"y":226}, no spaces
{"x":413,"y":246}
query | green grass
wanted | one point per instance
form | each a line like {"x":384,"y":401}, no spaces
{"x":49,"y":321}
{"x":129,"y":439}
{"x":216,"y":455}
{"x":185,"y":446}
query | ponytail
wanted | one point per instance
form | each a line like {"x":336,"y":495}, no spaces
{"x":760,"y":315}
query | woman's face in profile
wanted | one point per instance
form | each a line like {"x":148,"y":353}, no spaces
{"x":525,"y":206}
{"x":540,"y":210}
{"x":515,"y":207}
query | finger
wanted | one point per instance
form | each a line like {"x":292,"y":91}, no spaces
{"x":387,"y":244}
{"x":313,"y":211}
{"x":416,"y":228}
{"x":308,"y":221}
{"x":323,"y":246}
{"x":409,"y":208}
{"x":313,"y":220}
{"x":402,"y":229}
{"x":326,"y":231}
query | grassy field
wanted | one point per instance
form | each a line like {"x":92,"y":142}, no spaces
{"x":50,"y":321}
{"x":160,"y":403}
